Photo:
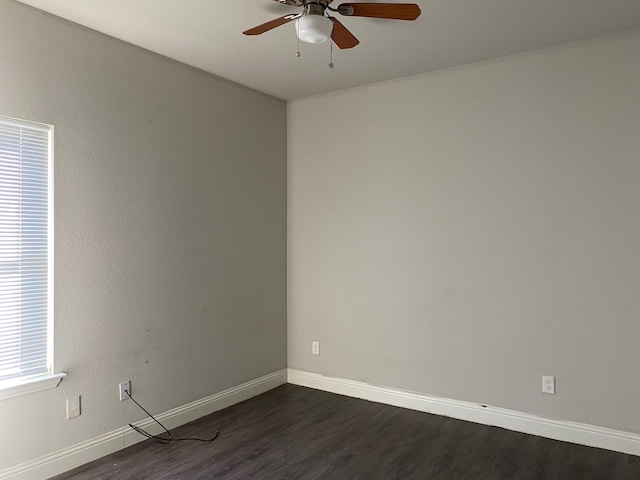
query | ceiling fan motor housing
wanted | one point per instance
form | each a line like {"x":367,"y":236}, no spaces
{"x":315,"y":8}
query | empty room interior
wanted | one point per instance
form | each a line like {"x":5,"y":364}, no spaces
{"x":410,"y":251}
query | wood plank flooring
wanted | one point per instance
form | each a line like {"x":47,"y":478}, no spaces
{"x":297,"y":433}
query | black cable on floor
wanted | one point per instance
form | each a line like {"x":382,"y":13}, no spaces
{"x":169,"y":438}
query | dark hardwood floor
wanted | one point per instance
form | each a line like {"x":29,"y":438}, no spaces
{"x":302,"y":434}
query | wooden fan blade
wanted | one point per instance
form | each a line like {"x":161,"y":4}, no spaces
{"x":394,"y":11}
{"x":342,"y":37}
{"x":265,"y":27}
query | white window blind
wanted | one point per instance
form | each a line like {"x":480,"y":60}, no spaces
{"x":25,"y":202}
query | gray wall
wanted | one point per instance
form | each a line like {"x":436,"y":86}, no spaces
{"x":463,"y":233}
{"x":170,"y":228}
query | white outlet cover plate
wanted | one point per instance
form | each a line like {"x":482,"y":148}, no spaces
{"x":73,"y":407}
{"x":125,"y":386}
{"x":549,"y":384}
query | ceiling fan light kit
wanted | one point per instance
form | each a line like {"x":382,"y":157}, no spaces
{"x":314,"y":25}
{"x":314,"y":28}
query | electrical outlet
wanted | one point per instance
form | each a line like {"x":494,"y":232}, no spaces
{"x":549,"y":384}
{"x":315,"y":348}
{"x":73,"y":407}
{"x":125,"y":386}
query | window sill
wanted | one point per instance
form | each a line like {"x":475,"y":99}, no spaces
{"x":17,"y":387}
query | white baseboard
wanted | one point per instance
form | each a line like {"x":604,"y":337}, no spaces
{"x":572,"y":432}
{"x":85,"y":452}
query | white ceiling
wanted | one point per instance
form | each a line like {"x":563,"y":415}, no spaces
{"x":207,"y":34}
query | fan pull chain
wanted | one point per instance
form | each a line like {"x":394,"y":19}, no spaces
{"x":331,"y":55}
{"x":298,"y":52}
{"x":330,"y":44}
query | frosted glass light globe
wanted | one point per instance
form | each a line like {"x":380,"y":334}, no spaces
{"x":314,"y":28}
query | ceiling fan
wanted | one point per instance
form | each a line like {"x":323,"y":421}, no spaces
{"x":315,"y":25}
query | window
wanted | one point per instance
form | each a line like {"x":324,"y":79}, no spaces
{"x":26,"y":354}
